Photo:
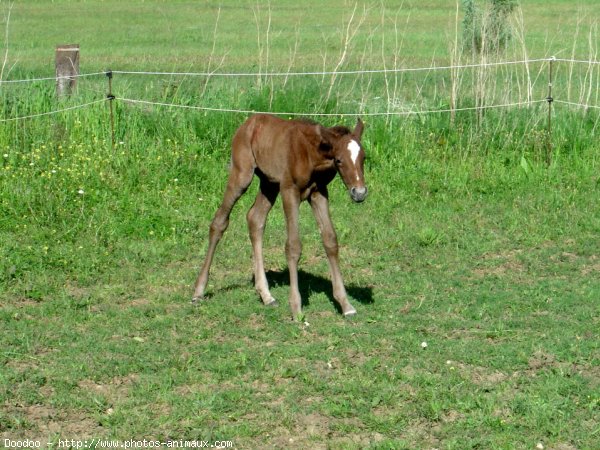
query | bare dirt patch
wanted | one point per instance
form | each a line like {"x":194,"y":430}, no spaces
{"x":43,"y":422}
{"x":500,"y":264}
{"x":480,"y":376}
{"x":541,"y":360}
{"x":113,"y":391}
{"x":309,"y":431}
{"x":592,"y":268}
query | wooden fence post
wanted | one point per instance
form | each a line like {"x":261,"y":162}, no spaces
{"x":67,"y":68}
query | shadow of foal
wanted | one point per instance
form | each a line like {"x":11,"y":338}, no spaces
{"x":298,"y":159}
{"x":313,"y":284}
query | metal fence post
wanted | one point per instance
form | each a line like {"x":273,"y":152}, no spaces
{"x":550,"y":100}
{"x":111,"y":98}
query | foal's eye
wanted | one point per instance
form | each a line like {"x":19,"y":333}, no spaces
{"x":338,"y":162}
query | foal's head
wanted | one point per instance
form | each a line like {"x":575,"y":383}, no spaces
{"x":344,"y":147}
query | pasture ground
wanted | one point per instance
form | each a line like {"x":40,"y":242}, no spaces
{"x":474,"y":241}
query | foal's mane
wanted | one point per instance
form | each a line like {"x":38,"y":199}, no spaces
{"x":339,"y":130}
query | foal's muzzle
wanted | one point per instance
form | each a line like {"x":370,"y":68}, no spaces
{"x":358,"y":194}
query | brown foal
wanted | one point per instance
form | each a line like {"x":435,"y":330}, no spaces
{"x":298,"y":159}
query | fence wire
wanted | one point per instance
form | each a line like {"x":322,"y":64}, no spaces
{"x":579,"y":105}
{"x":288,"y":74}
{"x":578,"y":61}
{"x":361,"y":114}
{"x":310,"y":73}
{"x":50,"y":113}
{"x":67,"y":77}
{"x":324,"y":73}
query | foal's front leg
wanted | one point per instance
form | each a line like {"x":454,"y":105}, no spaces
{"x":293,"y":247}
{"x":320,"y":206}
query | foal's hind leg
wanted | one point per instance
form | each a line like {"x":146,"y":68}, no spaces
{"x":239,"y":180}
{"x":257,"y":218}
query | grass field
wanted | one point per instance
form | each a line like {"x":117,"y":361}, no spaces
{"x":474,"y":263}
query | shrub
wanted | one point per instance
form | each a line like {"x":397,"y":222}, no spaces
{"x":486,"y":28}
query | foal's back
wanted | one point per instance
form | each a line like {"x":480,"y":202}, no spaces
{"x":275,"y":146}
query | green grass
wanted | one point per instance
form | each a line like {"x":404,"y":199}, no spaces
{"x":474,"y":240}
{"x":182,"y":33}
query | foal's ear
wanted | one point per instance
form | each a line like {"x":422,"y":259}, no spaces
{"x":358,"y":129}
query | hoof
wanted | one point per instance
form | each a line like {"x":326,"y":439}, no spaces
{"x":349,"y":315}
{"x":272,"y":304}
{"x":197,"y":300}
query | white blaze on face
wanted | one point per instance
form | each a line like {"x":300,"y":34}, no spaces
{"x":354,"y":149}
